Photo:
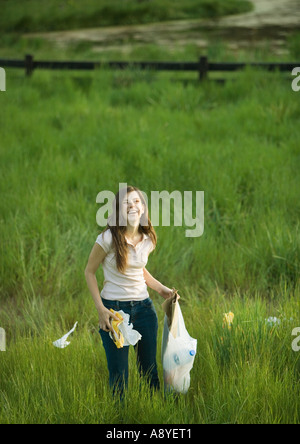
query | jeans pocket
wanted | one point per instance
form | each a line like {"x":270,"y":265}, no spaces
{"x":110,"y":304}
{"x":147,"y":302}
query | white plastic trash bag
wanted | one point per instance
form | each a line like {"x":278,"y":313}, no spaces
{"x":178,"y":348}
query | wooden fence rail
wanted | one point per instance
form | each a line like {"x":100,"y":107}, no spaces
{"x":202,"y":66}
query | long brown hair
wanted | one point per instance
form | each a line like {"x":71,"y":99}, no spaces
{"x":118,"y":230}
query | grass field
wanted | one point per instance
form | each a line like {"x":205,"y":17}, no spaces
{"x":64,"y":138}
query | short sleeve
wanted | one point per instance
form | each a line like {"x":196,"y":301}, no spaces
{"x":105,"y":240}
{"x":152,"y":247}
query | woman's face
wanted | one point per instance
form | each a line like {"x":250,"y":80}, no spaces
{"x":132,"y":208}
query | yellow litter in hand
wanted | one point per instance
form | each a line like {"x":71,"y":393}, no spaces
{"x":116,"y":335}
{"x":122,"y":332}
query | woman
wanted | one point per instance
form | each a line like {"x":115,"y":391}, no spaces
{"x":123,"y":249}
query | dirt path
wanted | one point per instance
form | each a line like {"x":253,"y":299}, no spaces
{"x":276,"y":13}
{"x":271,"y":20}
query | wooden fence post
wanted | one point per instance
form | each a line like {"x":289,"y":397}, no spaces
{"x":203,"y":68}
{"x":28,"y":64}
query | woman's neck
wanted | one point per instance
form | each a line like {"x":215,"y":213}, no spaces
{"x":132,"y":231}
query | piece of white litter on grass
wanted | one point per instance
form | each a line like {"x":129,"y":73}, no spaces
{"x":62,"y":342}
{"x":272,"y":321}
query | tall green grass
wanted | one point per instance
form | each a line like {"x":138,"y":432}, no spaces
{"x":64,"y":138}
{"x":247,"y":375}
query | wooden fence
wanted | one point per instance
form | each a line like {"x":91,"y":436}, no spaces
{"x":203,"y":67}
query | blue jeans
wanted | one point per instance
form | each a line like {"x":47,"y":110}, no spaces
{"x":144,"y":319}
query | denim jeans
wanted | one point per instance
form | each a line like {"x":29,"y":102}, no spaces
{"x":144,"y":319}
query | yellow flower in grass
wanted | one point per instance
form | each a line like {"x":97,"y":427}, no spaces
{"x":228,"y":320}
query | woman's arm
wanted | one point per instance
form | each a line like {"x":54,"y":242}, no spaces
{"x":96,"y":257}
{"x":153,"y":283}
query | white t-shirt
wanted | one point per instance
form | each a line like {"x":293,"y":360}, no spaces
{"x":131,"y":285}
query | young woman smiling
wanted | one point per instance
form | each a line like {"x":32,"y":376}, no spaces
{"x":123,"y":249}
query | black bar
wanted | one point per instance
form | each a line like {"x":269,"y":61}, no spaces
{"x":237,"y":66}
{"x":203,"y":67}
{"x":159,"y":66}
{"x":5,"y":63}
{"x":65,"y":65}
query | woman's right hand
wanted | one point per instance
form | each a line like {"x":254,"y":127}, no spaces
{"x":104,"y":319}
